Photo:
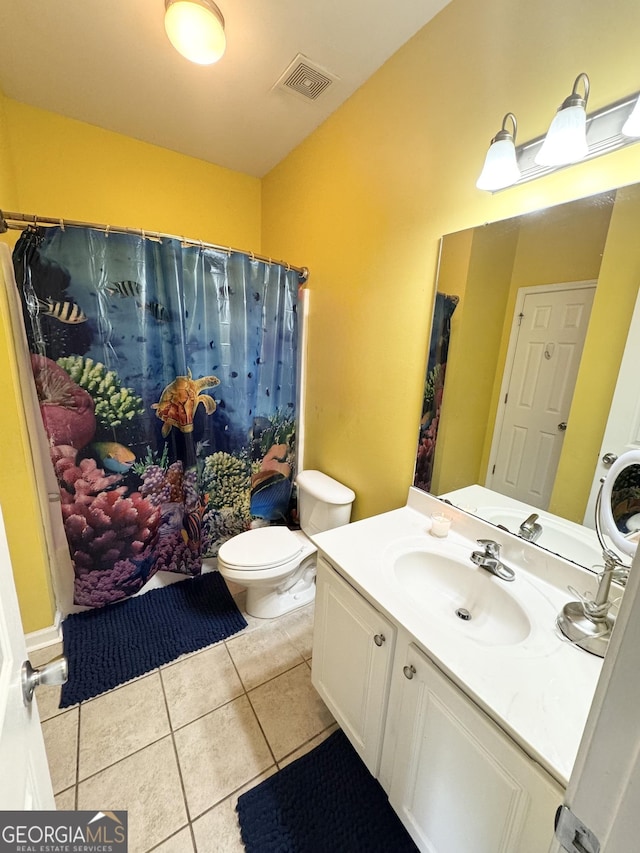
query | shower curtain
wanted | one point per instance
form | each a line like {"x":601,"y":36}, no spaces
{"x":166,"y":376}
{"x":434,"y":388}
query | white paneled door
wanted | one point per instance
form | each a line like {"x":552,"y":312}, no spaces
{"x":24,"y":773}
{"x":550,"y":325}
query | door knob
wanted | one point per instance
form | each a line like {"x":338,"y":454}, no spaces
{"x":562,"y":426}
{"x":609,"y":458}
{"x":54,"y":672}
{"x":379,"y":639}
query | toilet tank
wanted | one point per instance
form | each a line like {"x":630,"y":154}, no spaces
{"x":323,"y":503}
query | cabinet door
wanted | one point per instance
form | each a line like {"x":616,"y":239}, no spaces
{"x":351,"y":666}
{"x":459,"y":783}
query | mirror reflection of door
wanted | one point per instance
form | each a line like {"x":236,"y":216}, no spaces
{"x":550,"y":325}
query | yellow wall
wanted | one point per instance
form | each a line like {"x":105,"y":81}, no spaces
{"x":69,"y":169}
{"x":8,"y":192}
{"x":18,"y":496}
{"x":364,"y":200}
{"x":53,"y":166}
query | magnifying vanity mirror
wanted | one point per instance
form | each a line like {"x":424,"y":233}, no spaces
{"x":588,"y":622}
{"x":526,"y":398}
{"x":620,"y":503}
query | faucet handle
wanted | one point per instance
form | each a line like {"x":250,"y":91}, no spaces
{"x":491,"y":548}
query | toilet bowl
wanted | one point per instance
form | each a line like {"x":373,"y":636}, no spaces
{"x":278,"y":565}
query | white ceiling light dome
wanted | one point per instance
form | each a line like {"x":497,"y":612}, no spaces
{"x":196,"y":29}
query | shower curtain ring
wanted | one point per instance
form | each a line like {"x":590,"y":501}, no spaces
{"x":288,"y":267}
{"x":62,"y":224}
{"x":252,"y":256}
{"x":106,"y":233}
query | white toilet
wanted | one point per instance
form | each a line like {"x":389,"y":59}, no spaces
{"x":278,"y":565}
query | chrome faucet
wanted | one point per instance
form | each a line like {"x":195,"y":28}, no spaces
{"x":530,"y":529}
{"x":489,"y":559}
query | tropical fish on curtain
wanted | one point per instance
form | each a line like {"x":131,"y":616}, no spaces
{"x":434,"y":389}
{"x":166,"y":375}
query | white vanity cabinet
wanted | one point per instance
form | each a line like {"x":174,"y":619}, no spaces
{"x":458,"y":782}
{"x":353,"y":648}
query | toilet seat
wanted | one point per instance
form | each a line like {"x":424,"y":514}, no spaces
{"x":260,"y":548}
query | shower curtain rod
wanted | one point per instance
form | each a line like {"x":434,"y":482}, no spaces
{"x":20,"y":221}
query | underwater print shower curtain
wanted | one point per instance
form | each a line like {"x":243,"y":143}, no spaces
{"x":166,"y":376}
{"x":443,"y":310}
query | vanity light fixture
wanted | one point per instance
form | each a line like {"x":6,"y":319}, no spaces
{"x":500,"y":168}
{"x":196,"y":29}
{"x":566,"y":139}
{"x":608,"y":129}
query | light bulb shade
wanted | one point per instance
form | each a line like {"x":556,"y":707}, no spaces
{"x":196,"y":29}
{"x":500,"y":168}
{"x":631,"y":127}
{"x":566,"y":139}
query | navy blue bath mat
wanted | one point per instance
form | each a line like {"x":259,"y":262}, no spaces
{"x":325,"y":801}
{"x":116,"y":643}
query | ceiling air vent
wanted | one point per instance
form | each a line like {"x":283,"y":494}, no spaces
{"x":305,"y":78}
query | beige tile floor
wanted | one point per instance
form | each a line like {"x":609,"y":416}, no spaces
{"x":176,"y":747}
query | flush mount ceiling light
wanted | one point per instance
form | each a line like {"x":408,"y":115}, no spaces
{"x":573,"y":137}
{"x":566,"y":139}
{"x":500,"y":168}
{"x":196,"y":29}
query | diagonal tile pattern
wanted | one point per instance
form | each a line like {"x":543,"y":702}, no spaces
{"x":178,"y":746}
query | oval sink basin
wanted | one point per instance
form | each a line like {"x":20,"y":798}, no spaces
{"x":471,"y":599}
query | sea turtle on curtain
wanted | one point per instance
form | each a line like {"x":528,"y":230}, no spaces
{"x":180,"y":399}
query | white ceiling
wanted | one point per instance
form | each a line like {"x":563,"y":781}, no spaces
{"x":109,"y":63}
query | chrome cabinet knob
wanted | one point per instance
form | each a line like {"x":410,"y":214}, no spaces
{"x":562,"y":426}
{"x":609,"y":458}
{"x":409,"y":671}
{"x":379,"y":639}
{"x":54,"y":672}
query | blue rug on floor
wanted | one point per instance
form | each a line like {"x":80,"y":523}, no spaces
{"x":113,"y":644}
{"x":325,"y":801}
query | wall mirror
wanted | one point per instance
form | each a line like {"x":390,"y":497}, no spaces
{"x":524,"y":365}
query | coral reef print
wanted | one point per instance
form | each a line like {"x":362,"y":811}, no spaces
{"x":109,"y":531}
{"x":114,"y":405}
{"x":166,"y":379}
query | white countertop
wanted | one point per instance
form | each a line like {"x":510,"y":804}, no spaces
{"x":538,"y":690}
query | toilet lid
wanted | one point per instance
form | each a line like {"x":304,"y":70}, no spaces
{"x":261,"y":548}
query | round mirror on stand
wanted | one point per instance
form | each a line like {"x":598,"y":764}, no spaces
{"x":588,"y":623}
{"x":620,"y":503}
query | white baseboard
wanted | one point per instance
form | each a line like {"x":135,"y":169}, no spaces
{"x":45,"y":636}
